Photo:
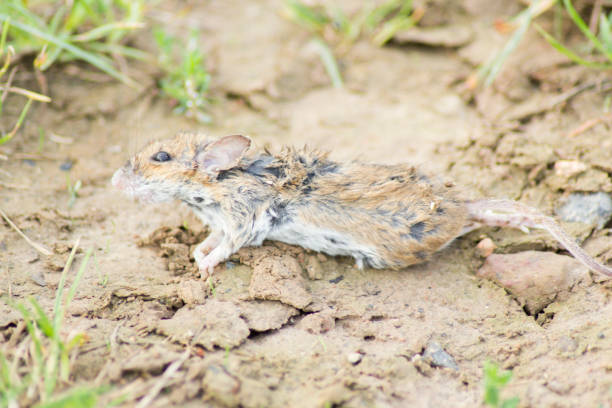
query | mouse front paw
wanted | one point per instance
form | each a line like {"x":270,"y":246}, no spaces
{"x":207,"y":268}
{"x":206,"y":264}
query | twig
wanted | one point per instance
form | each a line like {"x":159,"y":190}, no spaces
{"x":589,"y":124}
{"x":593,"y":22}
{"x":28,"y":94}
{"x":35,"y":156}
{"x":33,"y":244}
{"x":8,"y":84}
{"x":600,"y":86}
{"x":165,"y":378}
{"x":13,"y":186}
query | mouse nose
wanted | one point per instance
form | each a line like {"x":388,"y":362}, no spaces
{"x":119,"y":180}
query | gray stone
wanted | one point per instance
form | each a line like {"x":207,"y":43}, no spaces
{"x":595,"y":208}
{"x":438,"y":357}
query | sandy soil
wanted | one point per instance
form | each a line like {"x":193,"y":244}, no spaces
{"x":286,"y":327}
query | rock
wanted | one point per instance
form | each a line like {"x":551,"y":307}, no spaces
{"x":66,"y":165}
{"x":485,"y":247}
{"x":264,"y":315}
{"x":569,"y":168}
{"x":593,"y":208}
{"x":449,"y":36}
{"x":38,"y":278}
{"x":438,"y":357}
{"x":178,"y":257}
{"x":215,"y":323}
{"x":313,"y":268}
{"x":317,"y":323}
{"x":232,"y":390}
{"x":153,"y":360}
{"x":535,"y":279}
{"x":192,"y":291}
{"x":354,"y":358}
{"x":280,"y":278}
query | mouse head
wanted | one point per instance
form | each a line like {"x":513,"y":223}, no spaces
{"x":172,"y":168}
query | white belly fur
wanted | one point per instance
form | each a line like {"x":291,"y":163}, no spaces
{"x":322,"y":240}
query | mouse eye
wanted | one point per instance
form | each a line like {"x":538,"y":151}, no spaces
{"x":161,"y":157}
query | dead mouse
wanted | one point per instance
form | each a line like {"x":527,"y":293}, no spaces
{"x":384,"y":216}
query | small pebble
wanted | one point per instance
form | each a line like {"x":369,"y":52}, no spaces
{"x":313,"y":268}
{"x":438,"y":357}
{"x":66,"y":165}
{"x":29,"y":162}
{"x":38,"y":278}
{"x":354,"y":358}
{"x":337,"y":279}
{"x":569,"y":168}
{"x":485,"y":247}
{"x":595,"y":208}
{"x":230,"y":265}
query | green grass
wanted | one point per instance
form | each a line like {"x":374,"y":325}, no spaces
{"x":494,"y":382}
{"x":184,"y":75}
{"x":73,"y":190}
{"x":8,"y":52}
{"x":332,"y":29}
{"x":599,"y":43}
{"x":86,"y":30}
{"x":521,"y":23}
{"x":36,"y":372}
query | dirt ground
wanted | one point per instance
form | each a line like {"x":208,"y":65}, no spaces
{"x":284,"y":327}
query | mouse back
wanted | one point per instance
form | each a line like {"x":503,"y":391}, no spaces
{"x":405,"y":214}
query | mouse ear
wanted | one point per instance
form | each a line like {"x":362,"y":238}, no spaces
{"x":223,"y":154}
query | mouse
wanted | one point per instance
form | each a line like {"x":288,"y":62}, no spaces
{"x":384,"y":216}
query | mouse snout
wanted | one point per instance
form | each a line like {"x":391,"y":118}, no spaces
{"x":120,"y":180}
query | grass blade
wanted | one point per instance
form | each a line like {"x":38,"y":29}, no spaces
{"x":57,"y":308}
{"x":43,"y":321}
{"x":12,"y":133}
{"x":78,"y":276}
{"x":306,"y":16}
{"x":329,"y":62}
{"x":75,"y":398}
{"x":5,"y":27}
{"x":27,"y":93}
{"x":569,"y":53}
{"x":106,"y":29}
{"x":510,"y":46}
{"x":391,"y":27}
{"x":124,"y":50}
{"x":604,"y":31}
{"x":585,"y":29}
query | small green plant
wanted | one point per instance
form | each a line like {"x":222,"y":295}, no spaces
{"x":87,"y":30}
{"x":102,"y":278}
{"x":519,"y":24}
{"x":330,"y":25}
{"x":211,"y":285}
{"x":37,"y":369}
{"x":73,"y":190}
{"x":602,"y":44}
{"x":494,"y":382}
{"x":5,"y":87}
{"x":188,"y":80}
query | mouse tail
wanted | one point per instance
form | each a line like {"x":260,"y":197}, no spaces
{"x":508,"y":213}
